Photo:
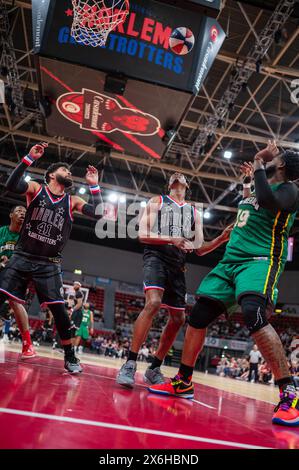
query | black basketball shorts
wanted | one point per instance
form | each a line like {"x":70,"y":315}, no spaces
{"x":46,"y":278}
{"x":161,"y":275}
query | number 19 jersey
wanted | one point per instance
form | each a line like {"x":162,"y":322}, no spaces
{"x":259,"y":233}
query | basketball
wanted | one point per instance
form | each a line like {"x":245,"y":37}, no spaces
{"x":182,"y":41}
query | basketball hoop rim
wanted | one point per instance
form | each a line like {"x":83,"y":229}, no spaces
{"x":126,"y":2}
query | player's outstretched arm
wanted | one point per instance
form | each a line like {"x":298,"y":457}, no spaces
{"x":208,"y":247}
{"x":247,"y":177}
{"x":81,"y":206}
{"x":16,"y":182}
{"x":285,"y":197}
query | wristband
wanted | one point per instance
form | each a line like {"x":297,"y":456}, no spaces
{"x":27,"y":160}
{"x":247,"y":185}
{"x":95,"y":189}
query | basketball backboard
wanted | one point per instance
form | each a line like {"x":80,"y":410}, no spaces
{"x":133,"y":92}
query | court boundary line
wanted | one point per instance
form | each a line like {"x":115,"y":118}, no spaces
{"x":121,"y":427}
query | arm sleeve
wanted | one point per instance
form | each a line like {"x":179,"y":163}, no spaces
{"x":90,"y":209}
{"x":285,"y":198}
{"x":16,"y":182}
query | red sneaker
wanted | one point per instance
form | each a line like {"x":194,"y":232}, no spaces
{"x":28,"y":351}
{"x":286,"y":412}
{"x":175,"y":388}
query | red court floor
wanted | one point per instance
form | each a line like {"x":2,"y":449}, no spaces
{"x":41,"y":407}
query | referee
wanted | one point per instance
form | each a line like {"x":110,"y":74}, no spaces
{"x":254,"y":359}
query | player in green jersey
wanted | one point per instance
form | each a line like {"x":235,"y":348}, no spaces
{"x":86,"y":326}
{"x":9,"y":235}
{"x":248,"y":273}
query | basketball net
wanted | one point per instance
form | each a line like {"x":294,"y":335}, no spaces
{"x":94,"y":20}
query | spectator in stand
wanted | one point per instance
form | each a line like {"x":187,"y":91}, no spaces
{"x":265,"y":374}
{"x":144,"y":353}
{"x":254,"y":360}
{"x":6,"y":327}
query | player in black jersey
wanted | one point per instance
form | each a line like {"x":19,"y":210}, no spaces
{"x":45,"y":231}
{"x":169,"y":228}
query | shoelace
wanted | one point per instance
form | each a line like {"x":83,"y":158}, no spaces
{"x":176,"y":380}
{"x":286,"y":401}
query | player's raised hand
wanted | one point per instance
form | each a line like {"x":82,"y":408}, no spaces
{"x":38,"y":150}
{"x":92,"y":176}
{"x":247,"y":170}
{"x":183,"y":244}
{"x":269,"y":153}
{"x":225,"y":235}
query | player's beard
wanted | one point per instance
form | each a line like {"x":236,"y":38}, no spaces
{"x":270,"y":171}
{"x":66,"y":182}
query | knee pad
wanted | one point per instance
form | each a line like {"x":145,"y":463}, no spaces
{"x":204,"y":312}
{"x":254,"y":309}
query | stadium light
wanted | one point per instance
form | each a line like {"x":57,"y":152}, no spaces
{"x":228,"y":154}
{"x":113,"y":197}
{"x":27,"y":178}
{"x":82,"y":190}
{"x":207,"y":215}
{"x":122,"y":199}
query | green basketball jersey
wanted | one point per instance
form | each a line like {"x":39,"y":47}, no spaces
{"x":8,"y":241}
{"x":259,"y":233}
{"x":86,"y":318}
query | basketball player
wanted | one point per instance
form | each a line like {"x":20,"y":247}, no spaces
{"x":86,"y":326}
{"x":167,"y":228}
{"x":249,"y":272}
{"x":76,"y":317}
{"x":9,"y":235}
{"x":45,"y":231}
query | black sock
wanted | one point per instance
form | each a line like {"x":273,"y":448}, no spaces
{"x":156,"y":363}
{"x":132,"y":356}
{"x":68,"y":349}
{"x":186,"y":372}
{"x":285,"y":382}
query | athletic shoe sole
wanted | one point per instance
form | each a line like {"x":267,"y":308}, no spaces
{"x":147,"y":381}
{"x":28,"y":357}
{"x":76,"y":372}
{"x":281,"y":422}
{"x":125,"y":384}
{"x":188,"y":396}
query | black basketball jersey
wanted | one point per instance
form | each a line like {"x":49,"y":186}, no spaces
{"x":47,"y":226}
{"x":173,"y":220}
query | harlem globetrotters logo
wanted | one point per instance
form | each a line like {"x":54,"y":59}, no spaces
{"x":93,"y":111}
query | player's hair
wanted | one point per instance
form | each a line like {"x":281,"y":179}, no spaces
{"x":14,"y":208}
{"x":291,"y":159}
{"x":54,"y":167}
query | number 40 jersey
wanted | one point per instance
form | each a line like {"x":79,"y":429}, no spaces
{"x":259,"y":233}
{"x":47,"y":226}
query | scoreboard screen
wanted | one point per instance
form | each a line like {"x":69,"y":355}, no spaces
{"x":139,"y":48}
